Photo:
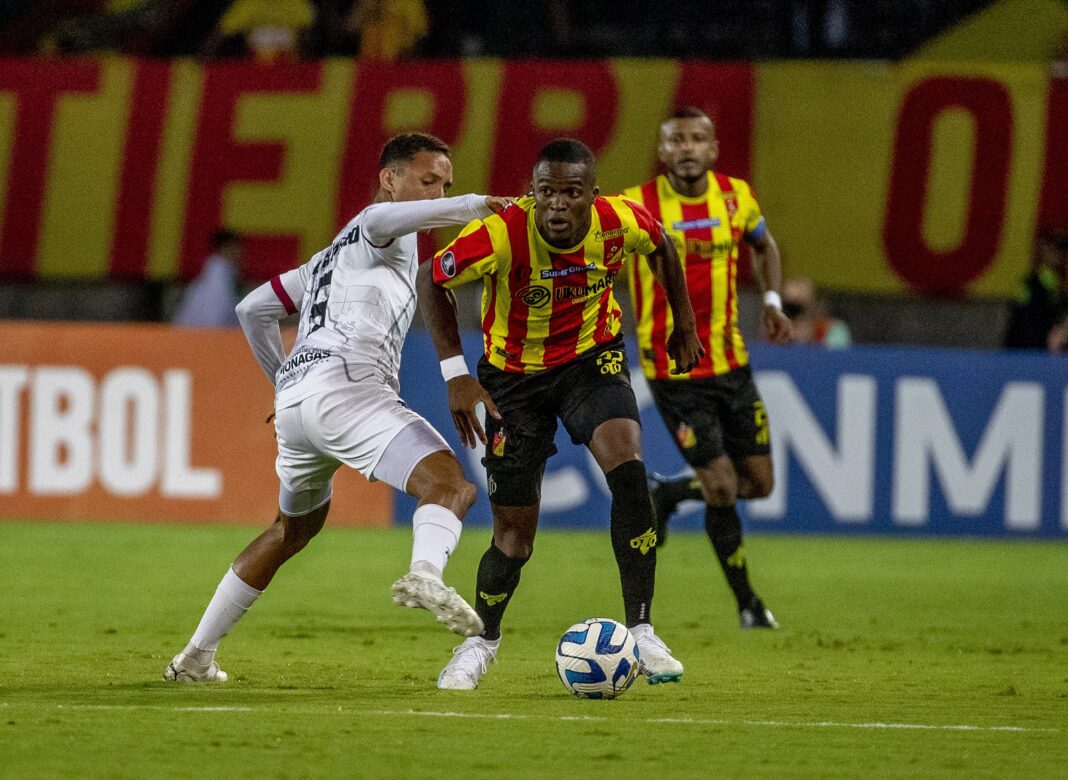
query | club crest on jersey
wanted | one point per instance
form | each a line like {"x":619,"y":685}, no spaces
{"x":448,"y":264}
{"x":686,"y":437}
{"x":500,"y":439}
{"x":533,"y":296}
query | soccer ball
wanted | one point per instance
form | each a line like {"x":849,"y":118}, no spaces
{"x":597,"y":659}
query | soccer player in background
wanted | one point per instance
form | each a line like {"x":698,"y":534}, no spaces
{"x":336,"y":398}
{"x":553,"y":350}
{"x":713,"y":411}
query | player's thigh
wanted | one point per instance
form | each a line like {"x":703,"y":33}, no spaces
{"x":356,"y":425}
{"x":594,"y":396}
{"x":745,"y":420}
{"x":305,"y":474}
{"x":755,"y":476}
{"x":519,"y":443}
{"x":406,"y":463}
{"x":690,"y":411}
{"x":719,"y":481}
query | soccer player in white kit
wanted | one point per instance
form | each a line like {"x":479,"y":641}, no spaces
{"x":337,"y":402}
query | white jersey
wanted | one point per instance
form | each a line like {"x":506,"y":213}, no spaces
{"x":356,"y":300}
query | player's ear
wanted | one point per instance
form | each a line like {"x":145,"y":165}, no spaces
{"x":715,"y":150}
{"x":596,"y":190}
{"x":385,"y":180}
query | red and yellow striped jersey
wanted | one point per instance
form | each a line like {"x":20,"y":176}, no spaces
{"x":543,"y":306}
{"x":706,"y":231}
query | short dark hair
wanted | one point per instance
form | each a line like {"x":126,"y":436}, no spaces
{"x":223,"y":236}
{"x":689,"y":112}
{"x":567,"y":150}
{"x":402,"y":148}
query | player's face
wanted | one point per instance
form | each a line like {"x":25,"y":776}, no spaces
{"x":427,"y":176}
{"x":563,"y":195}
{"x":688,"y":147}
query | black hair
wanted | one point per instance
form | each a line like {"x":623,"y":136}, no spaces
{"x":568,"y":150}
{"x":223,"y":236}
{"x":402,"y":148}
{"x":689,"y":112}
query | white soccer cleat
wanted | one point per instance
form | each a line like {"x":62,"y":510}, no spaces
{"x":654,"y":657}
{"x":470,"y":661}
{"x":416,"y":589}
{"x":186,"y":669}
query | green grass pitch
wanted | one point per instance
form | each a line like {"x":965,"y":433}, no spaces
{"x":897,"y":658}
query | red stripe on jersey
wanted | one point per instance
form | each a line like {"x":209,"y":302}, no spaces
{"x":283,"y":296}
{"x":731,"y":202}
{"x":518,"y":278}
{"x":651,"y":198}
{"x":491,"y":311}
{"x":613,"y":259}
{"x":565,"y":321}
{"x":699,"y":276}
{"x":465,"y":251}
{"x":646,"y":221}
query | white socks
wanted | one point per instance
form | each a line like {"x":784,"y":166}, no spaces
{"x":435,"y":533}
{"x":232,"y":599}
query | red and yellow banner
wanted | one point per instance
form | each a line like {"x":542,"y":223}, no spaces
{"x":874,"y":177}
{"x":146,"y":422}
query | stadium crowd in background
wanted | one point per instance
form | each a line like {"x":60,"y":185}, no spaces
{"x":808,"y":313}
{"x":1037,"y":318}
{"x":211,"y":298}
{"x":820,"y":28}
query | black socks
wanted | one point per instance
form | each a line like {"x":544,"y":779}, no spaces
{"x":498,"y":576}
{"x":724,"y":528}
{"x":633,"y":539}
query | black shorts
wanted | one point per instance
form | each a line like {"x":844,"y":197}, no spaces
{"x":591,"y":389}
{"x":720,"y":415}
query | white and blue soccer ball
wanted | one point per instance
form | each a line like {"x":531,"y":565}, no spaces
{"x":597,"y":659}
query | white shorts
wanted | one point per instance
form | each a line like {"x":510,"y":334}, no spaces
{"x":365,"y":426}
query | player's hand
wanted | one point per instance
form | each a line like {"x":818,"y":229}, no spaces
{"x":497,"y":204}
{"x":777,"y":326}
{"x":465,"y":393}
{"x":685,"y":349}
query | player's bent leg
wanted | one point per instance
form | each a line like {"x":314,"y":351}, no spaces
{"x":755,"y":476}
{"x":240,"y":587}
{"x":437,"y":480}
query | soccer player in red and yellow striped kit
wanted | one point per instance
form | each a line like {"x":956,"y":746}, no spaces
{"x":553,"y":350}
{"x":713,"y":411}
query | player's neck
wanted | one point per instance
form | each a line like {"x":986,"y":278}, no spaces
{"x":382,"y":196}
{"x":688,"y":189}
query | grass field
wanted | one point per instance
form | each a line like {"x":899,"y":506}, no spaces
{"x":896,"y":659}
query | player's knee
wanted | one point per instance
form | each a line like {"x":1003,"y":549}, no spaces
{"x":515,"y":543}
{"x":760,"y":485}
{"x":720,"y":493}
{"x":298,"y":531}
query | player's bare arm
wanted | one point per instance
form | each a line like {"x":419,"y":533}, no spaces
{"x":767,"y":270}
{"x":683,"y":344}
{"x":438,"y":308}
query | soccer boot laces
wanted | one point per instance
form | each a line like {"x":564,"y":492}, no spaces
{"x":469,"y":662}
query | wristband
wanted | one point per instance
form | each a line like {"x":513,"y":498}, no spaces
{"x":453,"y":367}
{"x":772,"y":298}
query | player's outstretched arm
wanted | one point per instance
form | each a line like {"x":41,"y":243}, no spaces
{"x":683,"y":344}
{"x":260,"y":311}
{"x":767,"y":270}
{"x":438,"y":308}
{"x":393,"y":219}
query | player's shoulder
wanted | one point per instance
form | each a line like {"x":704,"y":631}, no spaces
{"x":629,"y":210}
{"x":636,"y":191}
{"x":734,"y":183}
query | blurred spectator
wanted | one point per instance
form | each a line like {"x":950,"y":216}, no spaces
{"x":210,"y":299}
{"x":1057,"y":339}
{"x":388,"y":29}
{"x":811,"y":323}
{"x":268,"y":30}
{"x":99,"y":25}
{"x":1043,"y":296}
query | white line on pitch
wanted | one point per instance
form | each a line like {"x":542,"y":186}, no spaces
{"x":823,"y":724}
